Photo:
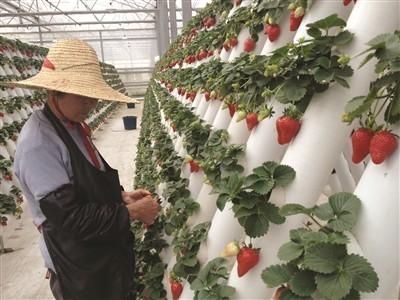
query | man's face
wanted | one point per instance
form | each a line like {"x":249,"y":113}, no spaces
{"x":76,"y":108}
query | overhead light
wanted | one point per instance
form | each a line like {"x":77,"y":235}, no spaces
{"x":124,"y":37}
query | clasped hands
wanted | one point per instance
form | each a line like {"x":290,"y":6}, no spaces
{"x":141,"y":205}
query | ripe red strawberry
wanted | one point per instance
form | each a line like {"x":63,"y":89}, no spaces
{"x":232,"y":109}
{"x":383,"y":144}
{"x":176,"y":289}
{"x":249,"y":45}
{"x":346,"y":2}
{"x":287,"y":128}
{"x":210,"y":22}
{"x":294,"y":21}
{"x":227,"y":45}
{"x":207,"y":95}
{"x":238,"y":2}
{"x":247,"y":259}
{"x":360,"y":140}
{"x":194,"y":167}
{"x":233,"y":42}
{"x":173,"y":126}
{"x":273,"y":31}
{"x":210,"y":53}
{"x":8,"y":177}
{"x":251,"y":120}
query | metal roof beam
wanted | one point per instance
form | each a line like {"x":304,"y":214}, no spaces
{"x":143,"y":38}
{"x":81,"y":23}
{"x":76,"y":31}
{"x":78,"y":12}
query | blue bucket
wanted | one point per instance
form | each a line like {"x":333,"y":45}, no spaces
{"x":129,"y":122}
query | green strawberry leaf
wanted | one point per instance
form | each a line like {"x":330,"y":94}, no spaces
{"x":255,"y":225}
{"x":338,"y":238}
{"x":222,"y":200}
{"x":343,"y":38}
{"x":290,"y":251}
{"x":353,"y":295}
{"x":324,"y":258}
{"x":226,"y":292}
{"x":324,"y":212}
{"x":271,"y":211}
{"x":263,"y":186}
{"x":364,"y":276}
{"x":334,"y":286}
{"x":292,"y":209}
{"x":277,"y":275}
{"x":328,"y":22}
{"x":287,"y":294}
{"x":303,"y":283}
{"x":283,"y":175}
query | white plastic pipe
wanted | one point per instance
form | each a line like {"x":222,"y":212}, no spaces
{"x":377,"y":229}
{"x":318,"y":144}
{"x":212,"y":110}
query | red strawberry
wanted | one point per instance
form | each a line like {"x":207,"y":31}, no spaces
{"x":210,"y":53}
{"x":173,"y":126}
{"x":277,"y":293}
{"x":346,"y":2}
{"x":249,"y":45}
{"x":294,"y":21}
{"x":247,"y":259}
{"x":194,"y":167}
{"x":383,"y":144}
{"x":360,"y":140}
{"x":8,"y":177}
{"x":238,"y":2}
{"x":207,"y":95}
{"x":287,"y":128}
{"x":176,"y":289}
{"x":233,"y":42}
{"x":232,"y":109}
{"x":273,"y":31}
{"x":210,"y":22}
{"x":227,"y":45}
{"x":251,"y":120}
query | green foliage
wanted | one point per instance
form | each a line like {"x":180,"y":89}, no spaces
{"x":318,"y":260}
{"x":211,"y":282}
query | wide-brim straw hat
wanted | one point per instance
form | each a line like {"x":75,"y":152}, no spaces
{"x":71,"y":66}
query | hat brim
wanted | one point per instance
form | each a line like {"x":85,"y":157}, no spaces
{"x":82,"y":86}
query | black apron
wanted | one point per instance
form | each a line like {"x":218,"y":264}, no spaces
{"x":87,"y":231}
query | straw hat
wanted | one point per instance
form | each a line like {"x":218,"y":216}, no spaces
{"x":72,"y":66}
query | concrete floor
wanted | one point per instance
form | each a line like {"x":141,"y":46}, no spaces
{"x":22,"y":272}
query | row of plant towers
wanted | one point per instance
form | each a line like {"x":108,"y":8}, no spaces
{"x":269,"y":134}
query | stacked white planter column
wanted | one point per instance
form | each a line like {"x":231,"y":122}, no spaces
{"x":377,"y":230}
{"x":318,"y":145}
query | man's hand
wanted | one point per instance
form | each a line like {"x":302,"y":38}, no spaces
{"x":130,"y":197}
{"x":144,"y":209}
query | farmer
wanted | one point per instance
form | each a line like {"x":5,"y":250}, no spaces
{"x":74,"y":196}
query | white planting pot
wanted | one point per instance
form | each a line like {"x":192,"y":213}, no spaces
{"x":334,"y":184}
{"x":4,"y":152}
{"x":285,"y":36}
{"x":224,"y":56}
{"x":377,"y":229}
{"x":243,"y":35}
{"x":212,"y":111}
{"x":222,"y":119}
{"x":2,"y":71}
{"x":11,"y":147}
{"x":207,"y":204}
{"x":322,"y":135}
{"x":238,"y":131}
{"x":343,"y":172}
{"x":195,"y":183}
{"x":202,"y":108}
{"x":262,"y":144}
{"x":196,"y":101}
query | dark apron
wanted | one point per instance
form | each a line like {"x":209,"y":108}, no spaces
{"x":91,"y":268}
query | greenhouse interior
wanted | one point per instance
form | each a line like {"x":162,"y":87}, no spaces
{"x":161,"y":149}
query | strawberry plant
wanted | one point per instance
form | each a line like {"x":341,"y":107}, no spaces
{"x":382,"y":99}
{"x":250,"y":196}
{"x":317,"y":263}
{"x":186,"y":244}
{"x":211,"y":282}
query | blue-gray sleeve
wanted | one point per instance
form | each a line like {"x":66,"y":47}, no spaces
{"x":42,"y":170}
